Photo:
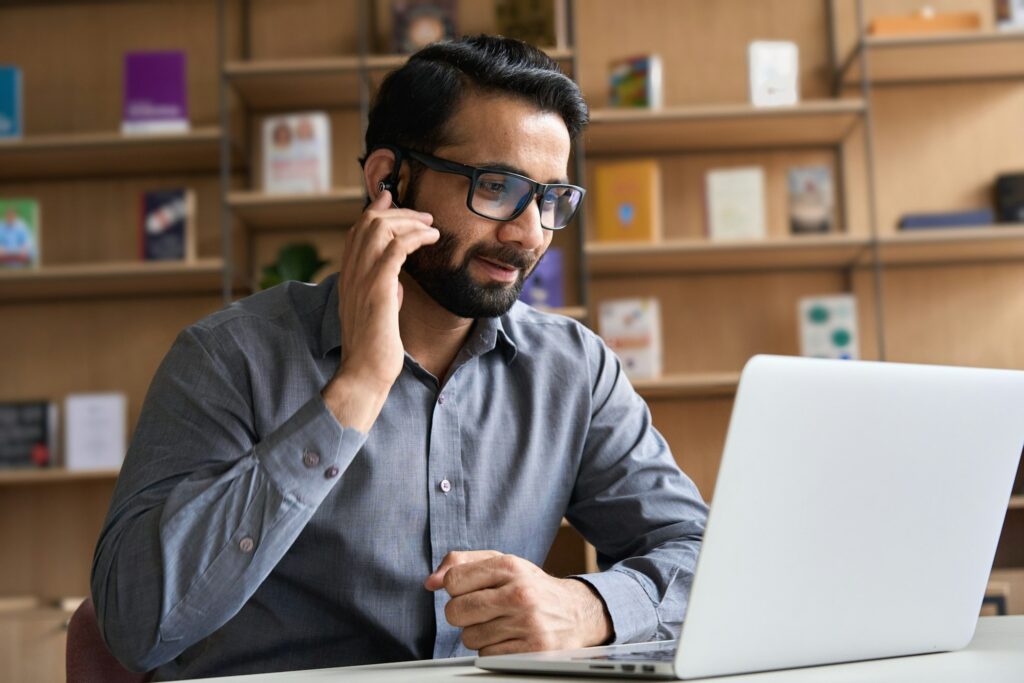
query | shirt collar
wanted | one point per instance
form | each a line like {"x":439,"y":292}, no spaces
{"x":488,"y":333}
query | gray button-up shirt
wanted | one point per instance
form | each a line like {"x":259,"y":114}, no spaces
{"x":249,"y":531}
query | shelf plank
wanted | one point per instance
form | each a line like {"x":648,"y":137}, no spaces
{"x":945,"y":57}
{"x":328,"y":82}
{"x":56,"y":475}
{"x":676,"y":256}
{"x":575,"y":312}
{"x":719,"y":127}
{"x":76,"y":155}
{"x":952,"y":245}
{"x":697,"y":385}
{"x":260,"y":211}
{"x":1017,"y":502}
{"x":127,"y":278}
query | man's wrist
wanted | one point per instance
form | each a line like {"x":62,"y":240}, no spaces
{"x":594,"y":618}
{"x":355,"y":402}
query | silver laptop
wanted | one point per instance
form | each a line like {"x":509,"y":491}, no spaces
{"x":856,"y":516}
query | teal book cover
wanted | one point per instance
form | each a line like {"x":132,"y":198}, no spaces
{"x":10,"y":101}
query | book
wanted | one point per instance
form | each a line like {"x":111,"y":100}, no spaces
{"x":924,"y":21}
{"x":811,"y":200}
{"x":11,"y":125}
{"x":1010,"y":197}
{"x":1010,"y":15}
{"x":28,"y":433}
{"x":19,"y":233}
{"x":774,"y":73}
{"x":167,"y":225}
{"x":155,"y":92}
{"x":95,"y":430}
{"x":828,"y":326}
{"x":545,"y":287}
{"x":627,"y":201}
{"x":735,"y":203}
{"x":418,"y":23}
{"x":635,"y":82}
{"x":297,"y":153}
{"x":632,"y":329}
{"x":948,"y":219}
{"x":531,"y":21}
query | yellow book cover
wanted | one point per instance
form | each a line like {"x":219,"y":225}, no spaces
{"x":628,"y":201}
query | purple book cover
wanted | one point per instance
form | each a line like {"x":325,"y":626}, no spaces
{"x":155,"y":92}
{"x":544,"y":287}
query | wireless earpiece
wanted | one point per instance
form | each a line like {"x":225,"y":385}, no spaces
{"x":381,"y":186}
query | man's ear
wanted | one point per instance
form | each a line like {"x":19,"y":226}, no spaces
{"x":378,"y":173}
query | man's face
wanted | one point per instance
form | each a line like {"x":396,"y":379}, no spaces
{"x":477,"y":268}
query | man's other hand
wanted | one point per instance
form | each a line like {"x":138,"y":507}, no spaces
{"x":505,"y":604}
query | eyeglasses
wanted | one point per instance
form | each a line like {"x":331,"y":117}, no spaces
{"x":502,"y":196}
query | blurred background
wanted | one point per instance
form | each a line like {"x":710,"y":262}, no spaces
{"x":840,"y":178}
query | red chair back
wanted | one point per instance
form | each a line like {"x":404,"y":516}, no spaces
{"x":87,"y":658}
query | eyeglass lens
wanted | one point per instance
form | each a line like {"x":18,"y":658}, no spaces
{"x":499,"y":196}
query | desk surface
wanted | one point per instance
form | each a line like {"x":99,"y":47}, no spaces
{"x":996,"y":655}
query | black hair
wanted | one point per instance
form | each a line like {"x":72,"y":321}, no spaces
{"x":415,"y":102}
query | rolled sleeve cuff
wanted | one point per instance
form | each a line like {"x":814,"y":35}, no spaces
{"x":634,"y":616}
{"x":309,"y":453}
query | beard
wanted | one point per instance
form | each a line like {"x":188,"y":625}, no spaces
{"x":451,"y":285}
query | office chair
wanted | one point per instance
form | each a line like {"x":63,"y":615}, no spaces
{"x":87,"y":658}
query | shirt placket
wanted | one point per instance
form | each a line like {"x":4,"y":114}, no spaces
{"x":447,"y":501}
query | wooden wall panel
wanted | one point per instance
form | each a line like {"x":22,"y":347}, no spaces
{"x":716,"y":322}
{"x":703,"y":45}
{"x":303,"y":28}
{"x":939,"y":148}
{"x":684,"y":209}
{"x":956,"y":315}
{"x":105,"y":345}
{"x":95,"y":220}
{"x":49,"y":533}
{"x":72,"y":55}
{"x":32,"y":645}
{"x":695,"y":430}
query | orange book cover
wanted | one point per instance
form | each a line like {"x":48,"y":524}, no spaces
{"x":628,"y":201}
{"x":924,"y":23}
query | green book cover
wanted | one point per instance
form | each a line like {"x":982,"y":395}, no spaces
{"x":19,"y":233}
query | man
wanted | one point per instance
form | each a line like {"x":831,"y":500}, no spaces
{"x":371,"y":469}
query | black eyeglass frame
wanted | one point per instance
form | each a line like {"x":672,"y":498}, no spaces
{"x":474,"y":172}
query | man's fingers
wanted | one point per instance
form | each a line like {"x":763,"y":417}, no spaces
{"x":509,"y":647}
{"x":475,"y":608}
{"x":489,"y":573}
{"x":487,"y":634}
{"x":403,"y":245}
{"x":454,"y":559}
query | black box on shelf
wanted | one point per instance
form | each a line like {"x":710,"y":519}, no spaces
{"x":28,"y":433}
{"x":1010,"y":198}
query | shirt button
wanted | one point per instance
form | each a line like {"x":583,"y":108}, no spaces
{"x":331,"y":472}
{"x":246,"y":545}
{"x":446,"y":485}
{"x":441,"y":399}
{"x":310,"y":459}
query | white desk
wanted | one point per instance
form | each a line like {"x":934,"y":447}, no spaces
{"x":996,"y":655}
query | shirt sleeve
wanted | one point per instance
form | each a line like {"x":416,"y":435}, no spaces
{"x":643,"y":515}
{"x":203,"y":509}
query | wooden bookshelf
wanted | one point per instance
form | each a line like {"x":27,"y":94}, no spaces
{"x":56,"y":475}
{"x":953,"y":245}
{"x":721,"y":127}
{"x":574,"y":312}
{"x":262,"y":211}
{"x":679,"y":256}
{"x":947,"y":57}
{"x":327,"y":82}
{"x":1017,"y":502}
{"x":38,"y":157}
{"x":698,"y":385}
{"x":128,"y":278}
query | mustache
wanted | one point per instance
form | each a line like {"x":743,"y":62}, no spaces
{"x":517,"y":258}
